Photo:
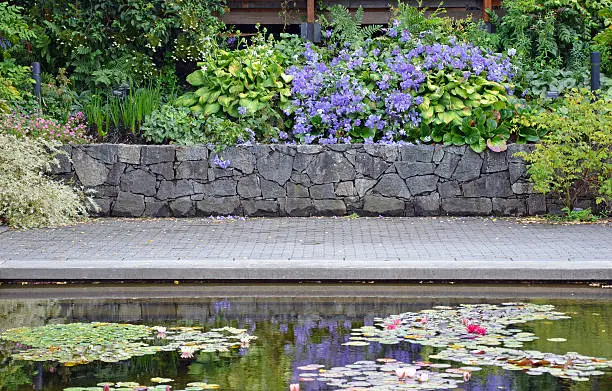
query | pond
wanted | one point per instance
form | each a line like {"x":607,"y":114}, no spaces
{"x":299,"y":325}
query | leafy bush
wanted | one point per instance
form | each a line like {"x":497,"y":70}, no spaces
{"x":402,"y":87}
{"x":550,"y":33}
{"x":244,"y":83}
{"x":169,"y":124}
{"x":604,"y":40}
{"x":29,"y":198}
{"x":575,"y":158}
{"x":36,"y":125}
{"x":120,"y":40}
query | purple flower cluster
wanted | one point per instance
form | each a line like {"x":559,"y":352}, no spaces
{"x":219,"y":162}
{"x":372,"y":93}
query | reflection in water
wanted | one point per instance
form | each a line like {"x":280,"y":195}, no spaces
{"x":291,"y":331}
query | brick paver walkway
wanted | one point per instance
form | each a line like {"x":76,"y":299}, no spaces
{"x":306,"y":243}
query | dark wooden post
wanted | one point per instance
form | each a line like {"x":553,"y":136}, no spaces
{"x":310,"y":30}
{"x":487,"y":5}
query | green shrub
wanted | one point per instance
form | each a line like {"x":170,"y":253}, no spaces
{"x":28,"y":197}
{"x":575,"y":158}
{"x":170,"y":124}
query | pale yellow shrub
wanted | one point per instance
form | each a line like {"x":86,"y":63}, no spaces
{"x":29,"y":197}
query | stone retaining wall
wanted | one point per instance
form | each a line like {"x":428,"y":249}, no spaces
{"x":304,"y":180}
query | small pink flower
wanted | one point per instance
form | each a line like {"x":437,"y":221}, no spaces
{"x":423,"y":377}
{"x":467,"y":376}
{"x":424,"y":320}
{"x":294,"y":387}
{"x":390,"y":326}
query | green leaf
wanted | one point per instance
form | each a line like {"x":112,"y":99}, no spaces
{"x":212,"y":108}
{"x":448,"y":116}
{"x":286,"y":78}
{"x":196,"y":78}
{"x":480,"y":146}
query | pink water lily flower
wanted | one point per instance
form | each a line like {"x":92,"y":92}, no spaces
{"x":161,"y":332}
{"x":187,"y":351}
{"x":423,"y":377}
{"x":245,"y":342}
{"x":405,"y":372}
{"x":467,"y":376}
{"x":294,"y":387}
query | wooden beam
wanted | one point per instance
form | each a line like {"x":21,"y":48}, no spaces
{"x":310,"y":11}
{"x":486,"y":5}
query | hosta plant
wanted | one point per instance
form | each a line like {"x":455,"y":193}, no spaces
{"x":242,"y":82}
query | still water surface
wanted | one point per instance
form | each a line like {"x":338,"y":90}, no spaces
{"x":293,"y":330}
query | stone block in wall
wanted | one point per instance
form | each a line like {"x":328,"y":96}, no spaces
{"x":389,"y":153}
{"x":260,"y":207}
{"x":375,"y":205}
{"x":156,"y":208}
{"x":522,"y":188}
{"x":218,"y":206}
{"x":275,"y":166}
{"x":295,"y":190}
{"x":240,"y":158}
{"x":509,"y":207}
{"x":297,"y":207}
{"x":249,"y":187}
{"x":330,"y":167}
{"x":417,"y":153}
{"x":321,"y":192}
{"x":163,"y":170}
{"x":410,"y":169}
{"x":363,"y":185}
{"x":494,"y":161}
{"x":106,"y":153}
{"x":115,"y":173}
{"x":129,"y":154}
{"x":468,"y":168}
{"x":128,"y":205}
{"x":182,"y":207}
{"x":449,"y":189}
{"x":104,"y":206}
{"x":151,"y":154}
{"x":90,"y":172}
{"x":192,"y":169}
{"x":216,"y":173}
{"x":271,"y":189}
{"x":309,"y":149}
{"x":514,"y":148}
{"x":174,"y":189}
{"x":438,"y":154}
{"x":353,"y":204}
{"x":392,"y":185}
{"x":345,"y":189}
{"x":138,"y":181}
{"x":370,"y":166}
{"x":467,"y":206}
{"x":64,"y":164}
{"x":302,"y":161}
{"x":447,"y":165}
{"x":329,"y":208}
{"x":489,"y":185}
{"x":422,"y":184}
{"x":184,"y":154}
{"x":300,"y":179}
{"x":106,"y":191}
{"x":536,"y":204}
{"x":224,"y":187}
{"x":428,"y":205}
{"x":517,"y":170}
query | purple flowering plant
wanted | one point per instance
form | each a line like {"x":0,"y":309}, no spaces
{"x":401,"y":88}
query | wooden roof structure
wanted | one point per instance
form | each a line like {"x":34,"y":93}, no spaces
{"x":286,"y":12}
